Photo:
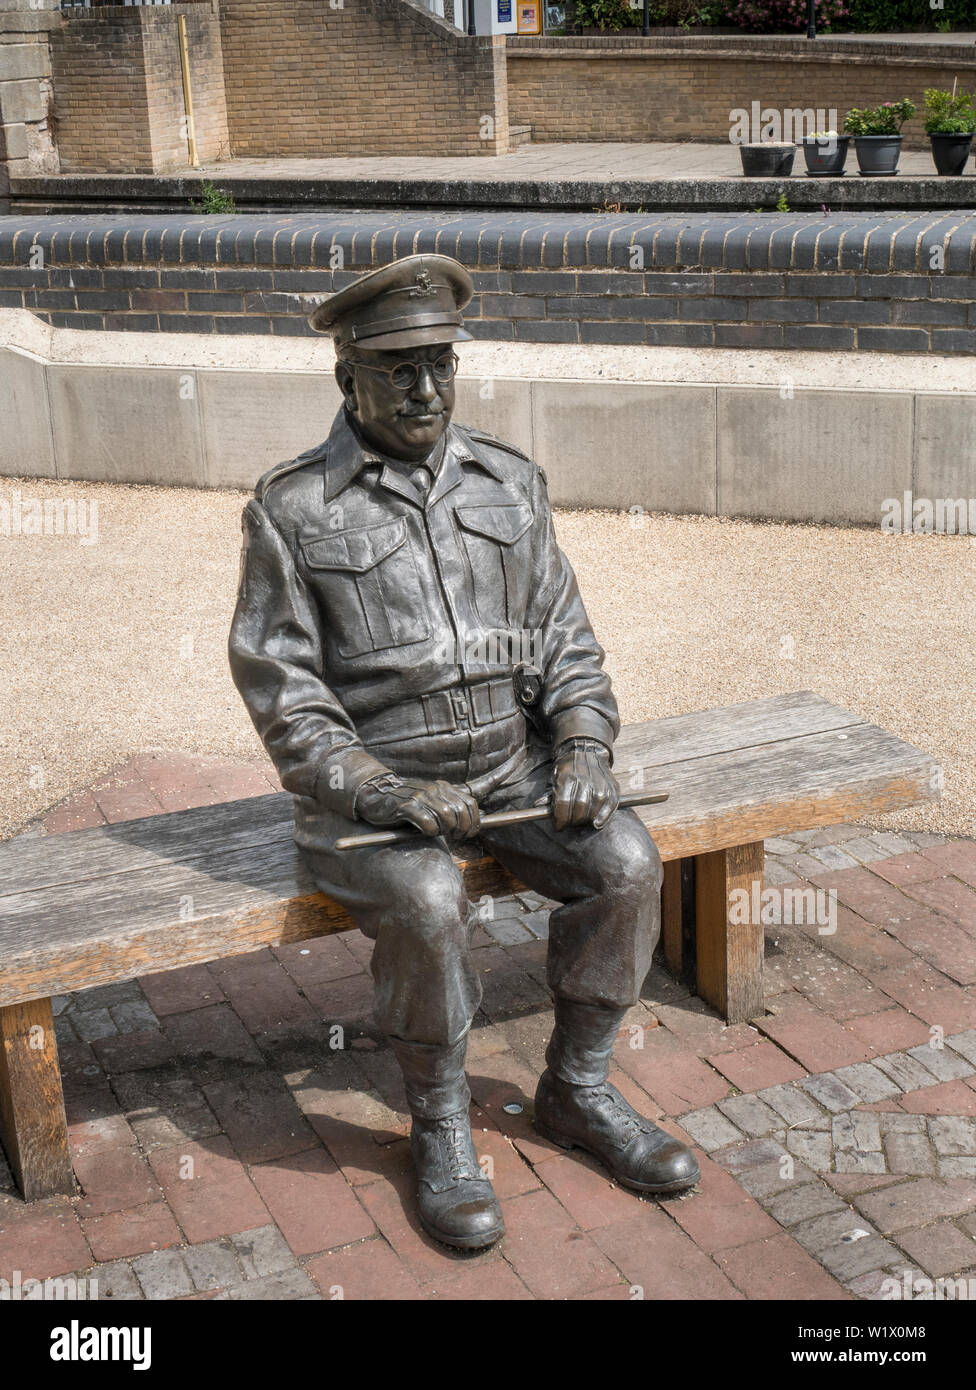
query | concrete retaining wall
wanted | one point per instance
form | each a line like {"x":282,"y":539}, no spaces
{"x":779,"y":435}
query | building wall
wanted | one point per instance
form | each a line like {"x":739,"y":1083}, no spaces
{"x":628,"y":88}
{"x":119,"y":90}
{"x":347,"y":77}
{"x":27,"y":137}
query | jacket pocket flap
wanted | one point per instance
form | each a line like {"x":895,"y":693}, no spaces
{"x":355,"y":550}
{"x":502,"y":522}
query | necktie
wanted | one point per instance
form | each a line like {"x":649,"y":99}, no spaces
{"x":422,"y":479}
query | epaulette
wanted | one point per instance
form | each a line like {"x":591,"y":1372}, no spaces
{"x":480,"y":437}
{"x":281,"y":469}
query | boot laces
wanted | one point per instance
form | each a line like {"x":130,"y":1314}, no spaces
{"x":618,"y":1110}
{"x":458,"y":1157}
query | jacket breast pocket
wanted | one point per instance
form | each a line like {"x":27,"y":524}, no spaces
{"x":499,"y":565}
{"x":368,"y":584}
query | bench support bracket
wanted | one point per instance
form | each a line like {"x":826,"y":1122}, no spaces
{"x":32,"y":1120}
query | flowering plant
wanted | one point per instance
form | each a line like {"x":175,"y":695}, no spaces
{"x":886,"y":119}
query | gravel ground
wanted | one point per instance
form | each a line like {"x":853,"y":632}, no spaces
{"x":119,"y":647}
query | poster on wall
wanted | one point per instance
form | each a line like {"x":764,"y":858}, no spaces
{"x":529,"y":16}
{"x":504,"y":11}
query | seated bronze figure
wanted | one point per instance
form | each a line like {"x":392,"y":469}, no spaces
{"x":393,"y":581}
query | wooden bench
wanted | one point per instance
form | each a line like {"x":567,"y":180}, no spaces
{"x":97,"y":906}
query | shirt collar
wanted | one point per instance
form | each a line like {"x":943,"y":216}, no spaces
{"x":348,"y":454}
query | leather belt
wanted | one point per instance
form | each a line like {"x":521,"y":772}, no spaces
{"x":444,"y":712}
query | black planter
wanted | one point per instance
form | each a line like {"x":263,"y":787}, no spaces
{"x":950,"y":152}
{"x":826,"y":156}
{"x":877,"y":155}
{"x":767,"y":161}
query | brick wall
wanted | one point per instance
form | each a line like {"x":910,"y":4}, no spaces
{"x":629,"y":88}
{"x":881,"y":282}
{"x":119,"y":89}
{"x":350,"y":77}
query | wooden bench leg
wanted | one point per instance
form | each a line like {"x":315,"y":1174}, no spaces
{"x":32,"y":1121}
{"x":730,"y":942}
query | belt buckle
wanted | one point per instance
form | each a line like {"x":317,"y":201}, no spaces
{"x":460,"y":706}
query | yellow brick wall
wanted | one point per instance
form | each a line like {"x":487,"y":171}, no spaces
{"x":348,"y":77}
{"x":608,"y":89}
{"x":118,"y":88}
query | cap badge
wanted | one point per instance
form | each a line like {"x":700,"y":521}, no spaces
{"x":423,"y":286}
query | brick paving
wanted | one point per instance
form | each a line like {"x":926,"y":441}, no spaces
{"x":225,"y":1148}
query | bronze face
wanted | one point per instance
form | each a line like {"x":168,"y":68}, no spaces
{"x":402,"y":419}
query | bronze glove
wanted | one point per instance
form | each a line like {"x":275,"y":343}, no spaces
{"x":432,"y":807}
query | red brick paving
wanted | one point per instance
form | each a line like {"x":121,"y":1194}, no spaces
{"x":208,"y":1189}
{"x":311,"y":1203}
{"x":752,"y":1068}
{"x":779,"y":1268}
{"x":813,"y":1038}
{"x":113,"y":1179}
{"x":657,"y":1257}
{"x":41,"y":1240}
{"x":369,"y":1270}
{"x":898,"y":964}
{"x":950,"y":1098}
{"x":891,"y":1030}
{"x":121,"y":1234}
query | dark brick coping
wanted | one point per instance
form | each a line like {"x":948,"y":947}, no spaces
{"x":880,"y":243}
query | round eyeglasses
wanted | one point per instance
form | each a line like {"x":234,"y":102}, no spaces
{"x":404,"y":375}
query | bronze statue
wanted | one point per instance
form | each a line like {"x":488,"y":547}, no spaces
{"x":394,"y":581}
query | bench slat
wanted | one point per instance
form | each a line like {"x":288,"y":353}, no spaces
{"x":206,"y":831}
{"x":250,"y":890}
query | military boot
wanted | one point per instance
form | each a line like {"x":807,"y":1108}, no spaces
{"x":576,"y":1107}
{"x":456,"y":1201}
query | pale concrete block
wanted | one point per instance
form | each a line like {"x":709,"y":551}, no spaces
{"x":26,"y":447}
{"x":612,"y":444}
{"x":126,"y":425}
{"x":829,"y":456}
{"x":13,"y":141}
{"x":253,"y":420}
{"x":22,"y":101}
{"x":23,"y":60}
{"x":499,"y":407}
{"x":945,"y":427}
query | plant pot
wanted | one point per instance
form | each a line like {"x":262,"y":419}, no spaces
{"x":767,"y":161}
{"x":950,"y":152}
{"x":877,"y":155}
{"x":826,"y":156}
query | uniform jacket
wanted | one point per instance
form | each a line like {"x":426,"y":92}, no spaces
{"x":377,"y":629}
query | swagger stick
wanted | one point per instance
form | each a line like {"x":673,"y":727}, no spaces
{"x":392,"y":837}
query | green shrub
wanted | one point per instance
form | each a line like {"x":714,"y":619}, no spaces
{"x":946,"y":114}
{"x":894,"y":16}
